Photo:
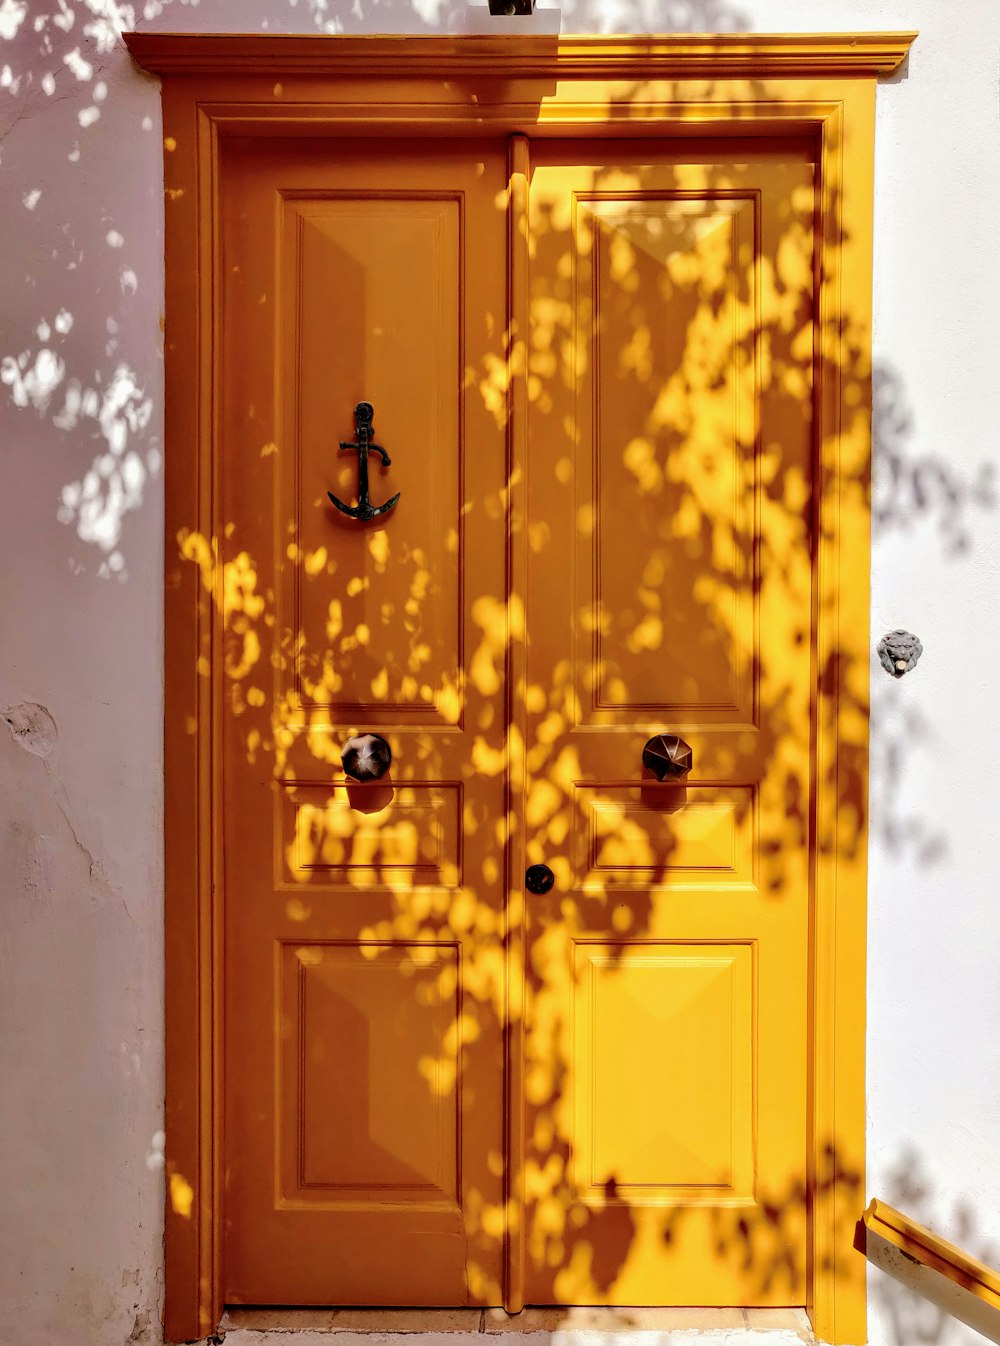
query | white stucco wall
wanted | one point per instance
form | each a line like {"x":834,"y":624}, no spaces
{"x":81,"y":1057}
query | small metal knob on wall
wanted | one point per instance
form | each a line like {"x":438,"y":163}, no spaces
{"x":366,"y":757}
{"x":667,"y":757}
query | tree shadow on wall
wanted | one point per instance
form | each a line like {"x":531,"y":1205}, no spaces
{"x":913,"y":487}
{"x":71,"y":71}
{"x":445,"y":16}
{"x":920,"y":1306}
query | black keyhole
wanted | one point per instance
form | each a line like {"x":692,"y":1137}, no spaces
{"x":538,"y":879}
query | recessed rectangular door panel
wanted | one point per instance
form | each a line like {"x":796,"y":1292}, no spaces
{"x":363,"y":1055}
{"x":669,"y":591}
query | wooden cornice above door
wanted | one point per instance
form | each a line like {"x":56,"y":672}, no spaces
{"x":672,"y":56}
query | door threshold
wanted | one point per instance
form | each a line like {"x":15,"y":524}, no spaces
{"x":657,"y":1325}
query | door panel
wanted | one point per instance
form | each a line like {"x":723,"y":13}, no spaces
{"x":378,"y":277}
{"x":669,"y":589}
{"x":341,"y":1085}
{"x":649,"y":1018}
{"x":363,"y":954}
{"x":659,"y":277}
{"x":654,"y":835}
{"x":413,"y":838}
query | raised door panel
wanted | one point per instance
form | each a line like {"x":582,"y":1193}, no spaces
{"x":374,"y":313}
{"x":653,"y":834}
{"x":369,"y":1106}
{"x":663,"y":1098}
{"x":669,"y":376}
{"x":372,"y":836}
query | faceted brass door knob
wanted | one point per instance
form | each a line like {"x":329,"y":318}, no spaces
{"x":667,"y":757}
{"x":366,"y":757}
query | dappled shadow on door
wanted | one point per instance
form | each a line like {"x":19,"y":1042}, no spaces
{"x":668,"y":544}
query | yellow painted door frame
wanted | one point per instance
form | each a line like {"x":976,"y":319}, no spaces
{"x":816,"y":86}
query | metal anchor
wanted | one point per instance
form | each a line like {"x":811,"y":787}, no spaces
{"x":364,"y":414}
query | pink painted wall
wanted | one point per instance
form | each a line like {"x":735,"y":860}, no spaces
{"x":81,"y":402}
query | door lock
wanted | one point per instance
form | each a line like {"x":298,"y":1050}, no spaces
{"x":538,"y":879}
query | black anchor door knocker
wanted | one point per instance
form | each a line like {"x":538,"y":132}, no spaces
{"x":364,"y":414}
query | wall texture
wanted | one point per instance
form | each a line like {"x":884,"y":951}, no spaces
{"x":81,"y":669}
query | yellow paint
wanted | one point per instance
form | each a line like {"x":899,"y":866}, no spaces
{"x":712,"y":570}
{"x":923,"y":1245}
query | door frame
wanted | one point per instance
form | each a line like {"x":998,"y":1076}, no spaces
{"x":817,"y":86}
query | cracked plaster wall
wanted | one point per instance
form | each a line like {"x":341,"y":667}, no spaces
{"x":81,"y":668}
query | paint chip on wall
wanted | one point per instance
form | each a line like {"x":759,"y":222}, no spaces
{"x":32,"y":727}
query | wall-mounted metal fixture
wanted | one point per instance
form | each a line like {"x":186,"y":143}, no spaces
{"x":508,"y":8}
{"x":898,"y":652}
{"x":364,"y":415}
{"x":366,"y":757}
{"x":667,"y":757}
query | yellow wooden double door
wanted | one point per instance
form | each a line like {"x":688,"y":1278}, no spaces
{"x":440,"y":1089}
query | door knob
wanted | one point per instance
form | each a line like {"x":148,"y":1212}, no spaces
{"x":667,"y":757}
{"x":366,"y":757}
{"x":538,"y":879}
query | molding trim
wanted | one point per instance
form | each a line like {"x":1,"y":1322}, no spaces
{"x":918,"y":1242}
{"x":518,"y":325}
{"x":680,"y":56}
{"x":218,"y":87}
